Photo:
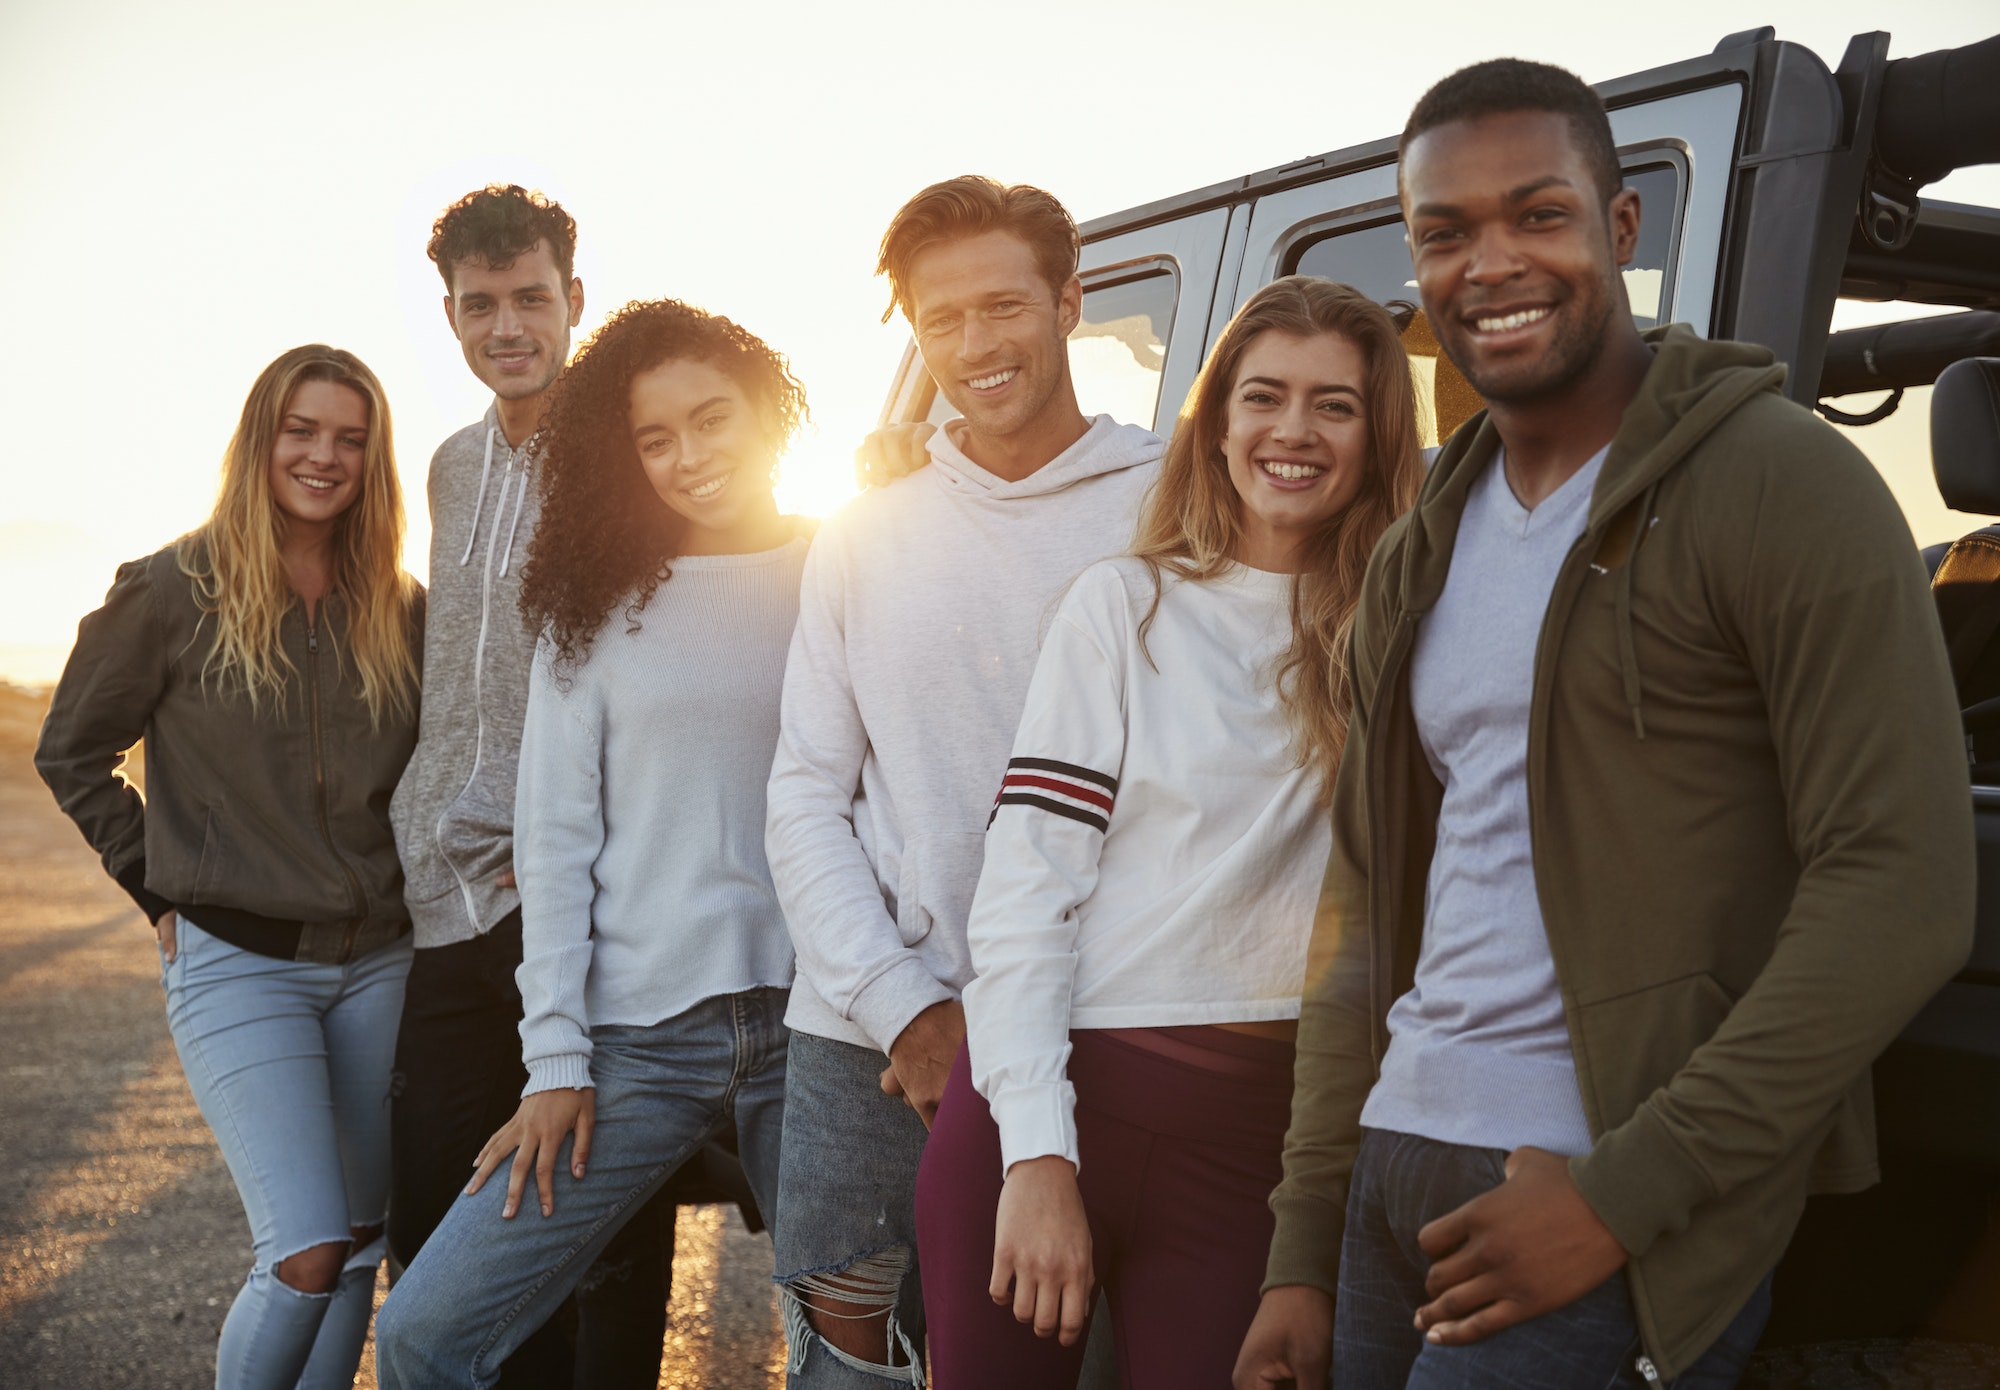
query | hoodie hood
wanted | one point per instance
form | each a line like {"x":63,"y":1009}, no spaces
{"x":1694,"y":384}
{"x":1106,"y":447}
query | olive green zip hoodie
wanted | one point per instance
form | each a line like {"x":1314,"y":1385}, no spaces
{"x":1751,"y":829}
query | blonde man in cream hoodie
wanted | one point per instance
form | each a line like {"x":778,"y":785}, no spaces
{"x":919,"y":622}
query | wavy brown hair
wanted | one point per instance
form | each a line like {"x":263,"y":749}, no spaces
{"x":234,"y":558}
{"x":605,"y":537}
{"x":1193,"y":518}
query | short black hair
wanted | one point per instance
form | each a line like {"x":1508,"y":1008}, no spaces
{"x":498,"y":223}
{"x":1502,"y":85}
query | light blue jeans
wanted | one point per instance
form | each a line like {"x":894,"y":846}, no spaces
{"x":289,"y":1062}
{"x":482,"y":1283}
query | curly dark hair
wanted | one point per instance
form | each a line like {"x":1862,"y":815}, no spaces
{"x":497,"y":223}
{"x":605,"y":537}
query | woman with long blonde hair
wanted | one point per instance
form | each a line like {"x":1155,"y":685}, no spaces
{"x":269,"y":658}
{"x":1140,"y":927}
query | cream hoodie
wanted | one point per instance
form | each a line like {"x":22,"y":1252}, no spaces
{"x":920,"y":617}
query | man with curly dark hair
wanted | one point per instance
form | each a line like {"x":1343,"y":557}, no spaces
{"x":507,"y":257}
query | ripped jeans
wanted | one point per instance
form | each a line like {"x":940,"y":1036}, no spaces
{"x":289,"y":1062}
{"x":847,"y":1226}
{"x":482,"y":1283}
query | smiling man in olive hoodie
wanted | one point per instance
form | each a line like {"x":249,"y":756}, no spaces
{"x":1652,"y":829}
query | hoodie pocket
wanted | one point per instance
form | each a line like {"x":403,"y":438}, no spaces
{"x":940,"y":872}
{"x":1638,"y":1041}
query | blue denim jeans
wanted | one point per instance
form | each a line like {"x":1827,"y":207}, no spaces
{"x":289,"y":1062}
{"x":1402,"y":1183}
{"x":847,"y":1220}
{"x":482,"y":1283}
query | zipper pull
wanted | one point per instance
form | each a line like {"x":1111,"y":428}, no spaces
{"x":1645,"y":1367}
{"x":312,"y":640}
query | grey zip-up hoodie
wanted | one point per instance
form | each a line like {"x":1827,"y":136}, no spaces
{"x":454,"y":809}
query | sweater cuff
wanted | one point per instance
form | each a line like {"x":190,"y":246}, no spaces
{"x":1036,"y":1121}
{"x":1641,"y":1183}
{"x":1305,"y":1246}
{"x":884,"y":1009}
{"x":132,"y":878}
{"x":565,"y":1071}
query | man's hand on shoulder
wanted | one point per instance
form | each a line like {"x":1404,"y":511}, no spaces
{"x":1290,"y":1341}
{"x":920,"y":1059}
{"x":1528,"y":1247}
{"x":893,"y":452}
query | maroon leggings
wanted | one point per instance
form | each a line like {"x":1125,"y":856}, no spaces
{"x":1180,"y":1132}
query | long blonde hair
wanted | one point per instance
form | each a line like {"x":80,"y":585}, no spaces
{"x":234,"y":558}
{"x":1193,"y":518}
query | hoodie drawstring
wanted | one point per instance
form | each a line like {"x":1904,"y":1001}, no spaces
{"x":485,"y":472}
{"x":520,"y":496}
{"x":1628,"y":652}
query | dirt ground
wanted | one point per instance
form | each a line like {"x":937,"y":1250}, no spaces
{"x":121,"y":1239}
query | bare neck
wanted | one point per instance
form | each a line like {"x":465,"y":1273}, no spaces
{"x":519,"y":419}
{"x":1018,"y":455}
{"x":1548,"y":438}
{"x":307,"y":555}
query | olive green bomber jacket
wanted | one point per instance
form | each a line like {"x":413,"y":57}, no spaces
{"x":1751,"y":831}
{"x":280,"y":811}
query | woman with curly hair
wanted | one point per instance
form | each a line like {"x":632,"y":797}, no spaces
{"x":1140,"y":926}
{"x":270,"y":659}
{"x":656,"y":962}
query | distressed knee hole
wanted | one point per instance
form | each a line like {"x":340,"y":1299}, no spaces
{"x":851,"y":1311}
{"x":313,"y":1270}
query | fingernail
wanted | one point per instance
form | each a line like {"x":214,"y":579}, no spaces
{"x":466,"y":1191}
{"x":507,"y":1210}
{"x":546,"y":1209}
{"x":1418,"y":1322}
{"x":1433,"y":1337}
{"x":578,"y":1170}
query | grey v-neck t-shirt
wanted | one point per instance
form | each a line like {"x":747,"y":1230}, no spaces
{"x":1479,"y":1053}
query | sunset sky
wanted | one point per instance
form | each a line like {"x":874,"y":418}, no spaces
{"x":192,"y":189}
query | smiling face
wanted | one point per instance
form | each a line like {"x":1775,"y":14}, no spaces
{"x":316,"y":461}
{"x":992,"y":331}
{"x":1296,"y":441}
{"x":708,"y":453}
{"x":513,"y":322}
{"x":1517,"y":256}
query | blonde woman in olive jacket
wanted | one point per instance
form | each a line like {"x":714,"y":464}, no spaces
{"x":269,"y":659}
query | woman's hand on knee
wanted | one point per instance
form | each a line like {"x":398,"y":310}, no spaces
{"x":1041,"y":1248}
{"x":534,"y":1136}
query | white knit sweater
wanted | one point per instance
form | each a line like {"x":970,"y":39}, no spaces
{"x":1156,"y":849}
{"x":639,"y":814}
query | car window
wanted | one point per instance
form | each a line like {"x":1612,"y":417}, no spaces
{"x":1119,"y":347}
{"x":1375,"y":259}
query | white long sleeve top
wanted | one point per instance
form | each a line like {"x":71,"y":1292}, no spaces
{"x":1156,"y":849}
{"x":639,"y":811}
{"x":920,"y":615}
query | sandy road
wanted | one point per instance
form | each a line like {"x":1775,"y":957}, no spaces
{"x":121,"y":1239}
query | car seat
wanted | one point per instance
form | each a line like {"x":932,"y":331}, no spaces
{"x":1965,"y":458}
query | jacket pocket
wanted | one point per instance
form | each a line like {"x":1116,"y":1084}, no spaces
{"x":1638,"y":1041}
{"x":940,"y":872}
{"x":214,"y":866}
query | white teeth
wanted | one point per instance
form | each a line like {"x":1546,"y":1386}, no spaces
{"x":318,"y":484}
{"x":987,"y":383}
{"x":1291,"y":472}
{"x":709,"y":488}
{"x":1511,"y":321}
